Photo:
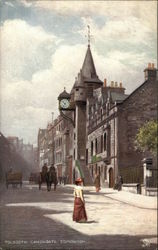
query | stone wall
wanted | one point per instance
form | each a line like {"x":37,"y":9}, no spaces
{"x":138,"y":108}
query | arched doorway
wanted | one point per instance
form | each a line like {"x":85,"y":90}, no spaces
{"x":111,"y":178}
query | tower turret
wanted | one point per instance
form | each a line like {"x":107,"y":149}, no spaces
{"x":80,"y":90}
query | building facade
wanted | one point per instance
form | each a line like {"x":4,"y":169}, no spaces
{"x":97,"y":133}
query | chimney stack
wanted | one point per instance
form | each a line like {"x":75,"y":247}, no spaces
{"x":112,"y":84}
{"x":152,"y":66}
{"x":104,"y":83}
{"x":150,"y":72}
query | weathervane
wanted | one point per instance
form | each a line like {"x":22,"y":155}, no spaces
{"x":89,"y":36}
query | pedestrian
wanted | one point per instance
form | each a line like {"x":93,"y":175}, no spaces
{"x":97,"y":182}
{"x":79,"y":213}
{"x":120,"y":182}
{"x":60,"y":179}
{"x":44,"y":168}
{"x":64,"y":179}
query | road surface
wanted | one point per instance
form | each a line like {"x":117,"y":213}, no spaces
{"x":33,"y":219}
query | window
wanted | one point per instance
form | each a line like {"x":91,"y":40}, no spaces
{"x":101,"y":143}
{"x":74,"y":153}
{"x":104,"y":141}
{"x":101,"y":114}
{"x":91,"y":148}
{"x":86,"y":156}
{"x":96,"y":146}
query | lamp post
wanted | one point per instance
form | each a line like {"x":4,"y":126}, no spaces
{"x":147,"y":164}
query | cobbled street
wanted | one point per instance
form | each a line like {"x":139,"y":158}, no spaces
{"x":33,"y":219}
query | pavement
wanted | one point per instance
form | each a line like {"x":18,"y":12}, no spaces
{"x":137,"y":200}
{"x":37,"y":219}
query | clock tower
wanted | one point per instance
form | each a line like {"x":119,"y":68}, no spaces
{"x":64,"y":100}
{"x":86,"y":81}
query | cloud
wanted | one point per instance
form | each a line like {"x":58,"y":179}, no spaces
{"x":9,"y":4}
{"x":28,"y":104}
{"x":26,"y":3}
{"x":24,"y":48}
{"x":36,"y":65}
{"x":120,"y":32}
{"x":146,"y":11}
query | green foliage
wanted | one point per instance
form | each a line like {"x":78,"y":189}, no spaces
{"x":96,"y":158}
{"x":79,"y":169}
{"x":146,"y":138}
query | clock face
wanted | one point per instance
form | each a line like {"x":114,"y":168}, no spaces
{"x":64,"y":103}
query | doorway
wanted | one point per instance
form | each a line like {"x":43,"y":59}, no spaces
{"x":111,"y":178}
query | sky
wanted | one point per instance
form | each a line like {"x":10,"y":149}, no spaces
{"x":43,"y":45}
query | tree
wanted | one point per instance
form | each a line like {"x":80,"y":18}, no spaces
{"x":146,"y":138}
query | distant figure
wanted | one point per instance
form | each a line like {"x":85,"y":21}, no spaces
{"x":52,"y":168}
{"x":45,"y":168}
{"x":120,"y":182}
{"x":51,"y":177}
{"x":97,"y":182}
{"x":79,"y":213}
{"x":60,"y":179}
{"x":65,"y":179}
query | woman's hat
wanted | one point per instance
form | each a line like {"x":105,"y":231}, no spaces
{"x":78,"y":180}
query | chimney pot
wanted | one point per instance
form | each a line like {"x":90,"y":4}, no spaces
{"x":120,"y":84}
{"x":116,"y":85}
{"x":104,"y":83}
{"x":149,"y":65}
{"x":112,"y":84}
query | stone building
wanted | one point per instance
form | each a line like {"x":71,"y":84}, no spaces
{"x":113,"y":122}
{"x":102,"y":131}
{"x":106,"y":123}
{"x":42,"y":147}
{"x":97,"y":132}
{"x":16,"y":155}
{"x":137,"y":109}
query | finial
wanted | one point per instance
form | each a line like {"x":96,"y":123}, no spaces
{"x":88,"y":35}
{"x":64,"y":89}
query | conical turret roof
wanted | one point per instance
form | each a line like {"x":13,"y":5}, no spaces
{"x":88,"y":67}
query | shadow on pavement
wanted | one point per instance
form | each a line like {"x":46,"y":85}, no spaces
{"x":27,"y":228}
{"x":29,"y":224}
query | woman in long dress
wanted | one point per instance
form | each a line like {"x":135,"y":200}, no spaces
{"x":79,"y":213}
{"x":97,"y":182}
